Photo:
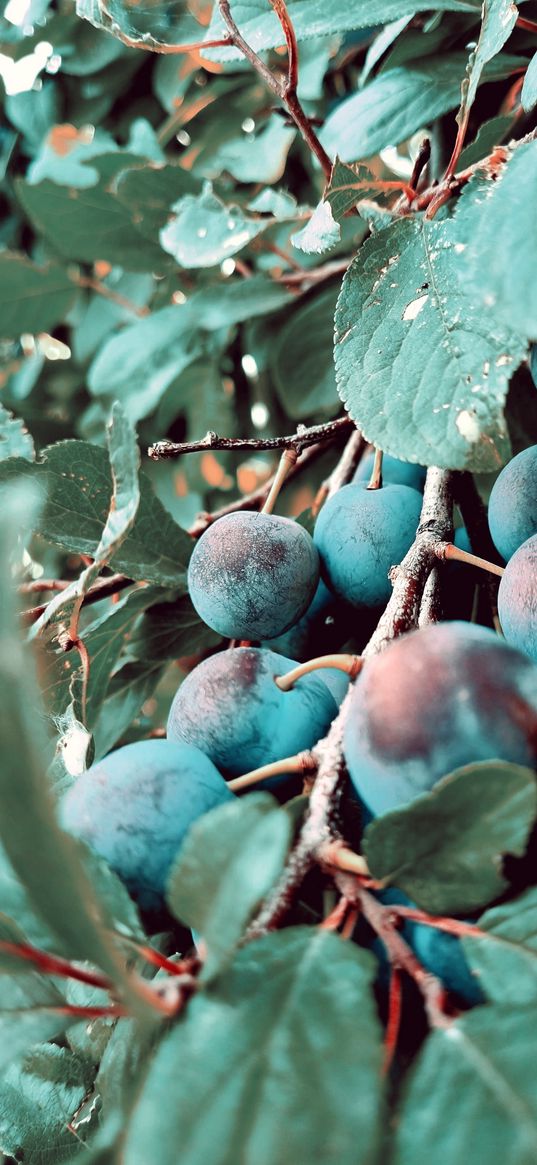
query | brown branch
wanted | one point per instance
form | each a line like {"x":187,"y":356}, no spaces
{"x":102,"y":589}
{"x":163,"y":450}
{"x":114,"y":296}
{"x":284,"y":90}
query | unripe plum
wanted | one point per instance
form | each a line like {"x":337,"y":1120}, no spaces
{"x":252,"y":575}
{"x":517,"y":599}
{"x":135,"y":807}
{"x":513,"y":503}
{"x":394,"y":472}
{"x":360,"y":534}
{"x":434,"y":700}
{"x":231,"y":708}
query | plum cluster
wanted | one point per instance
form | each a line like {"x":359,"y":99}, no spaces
{"x":436,"y":699}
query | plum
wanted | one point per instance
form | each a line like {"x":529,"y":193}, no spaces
{"x":252,"y":575}
{"x":512,"y":510}
{"x":230,"y":707}
{"x":394,"y":472}
{"x":438,"y":698}
{"x":517,"y":599}
{"x":135,"y":807}
{"x":360,"y":534}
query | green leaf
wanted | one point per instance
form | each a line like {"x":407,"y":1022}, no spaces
{"x":32,"y":298}
{"x":78,"y":483}
{"x":506,"y":960}
{"x":316,"y":18}
{"x":259,"y":157}
{"x":27,"y":1016}
{"x":43,"y":857}
{"x":204,"y":231}
{"x":392,"y":107}
{"x":151,"y":24}
{"x":138,"y":364}
{"x":320,"y":233}
{"x":223,"y":304}
{"x":445,"y":848}
{"x":421,"y":369}
{"x":301,"y":361}
{"x":128,"y":690}
{"x":148,"y":192}
{"x":255,"y":1056}
{"x":15,"y":440}
{"x":489,"y":135}
{"x":501,"y":257}
{"x":37,"y":1100}
{"x":528,"y":95}
{"x":169,"y":631}
{"x":473,"y":1086}
{"x":226,"y":866}
{"x":124,"y":458}
{"x":497,"y":23}
{"x":89,"y":225}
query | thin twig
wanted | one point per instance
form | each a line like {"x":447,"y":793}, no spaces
{"x":114,"y":296}
{"x":342,"y":472}
{"x":102,"y":589}
{"x":163,"y":450}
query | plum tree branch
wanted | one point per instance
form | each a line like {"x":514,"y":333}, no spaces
{"x":164,"y":450}
{"x":285,"y":90}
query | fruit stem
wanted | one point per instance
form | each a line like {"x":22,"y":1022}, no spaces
{"x":447,"y":550}
{"x":287,"y":460}
{"x":351,"y":664}
{"x":338,"y":855}
{"x":375,"y":481}
{"x":303,"y":762}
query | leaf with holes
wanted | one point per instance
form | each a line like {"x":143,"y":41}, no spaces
{"x":420,"y":369}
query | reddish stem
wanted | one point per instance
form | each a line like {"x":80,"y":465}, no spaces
{"x":449,"y":925}
{"x":528,"y":25}
{"x":395,"y":1007}
{"x":54,"y":965}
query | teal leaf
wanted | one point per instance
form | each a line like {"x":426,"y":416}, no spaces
{"x":149,"y":24}
{"x":473,"y":1085}
{"x":320,"y":233}
{"x":528,"y":95}
{"x":501,"y":257}
{"x":37,"y":1100}
{"x":255,"y":1056}
{"x":75,"y":484}
{"x":421,"y":369}
{"x":313,"y":18}
{"x":204,"y":231}
{"x":15,"y":440}
{"x":226,"y":866}
{"x":445,"y":848}
{"x":505,"y":960}
{"x":300,"y":358}
{"x":32,"y":298}
{"x":124,"y":458}
{"x":498,"y":20}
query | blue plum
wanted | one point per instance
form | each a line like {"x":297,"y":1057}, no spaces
{"x":517,"y":599}
{"x":230,"y":707}
{"x":251,"y":576}
{"x":512,"y":510}
{"x":135,"y":807}
{"x":360,"y":534}
{"x":394,"y":472}
{"x":433,"y":701}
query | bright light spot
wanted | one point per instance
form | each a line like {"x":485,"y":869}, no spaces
{"x":178,"y":297}
{"x":259,"y":414}
{"x":396,"y":162}
{"x":183,"y":138}
{"x":53,"y":63}
{"x":228,"y":267}
{"x":459,"y":248}
{"x":248,"y":125}
{"x":201,"y":232}
{"x":19,"y":76}
{"x":53,"y":349}
{"x":413,"y":309}
{"x":16,"y":11}
{"x":249,"y":366}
